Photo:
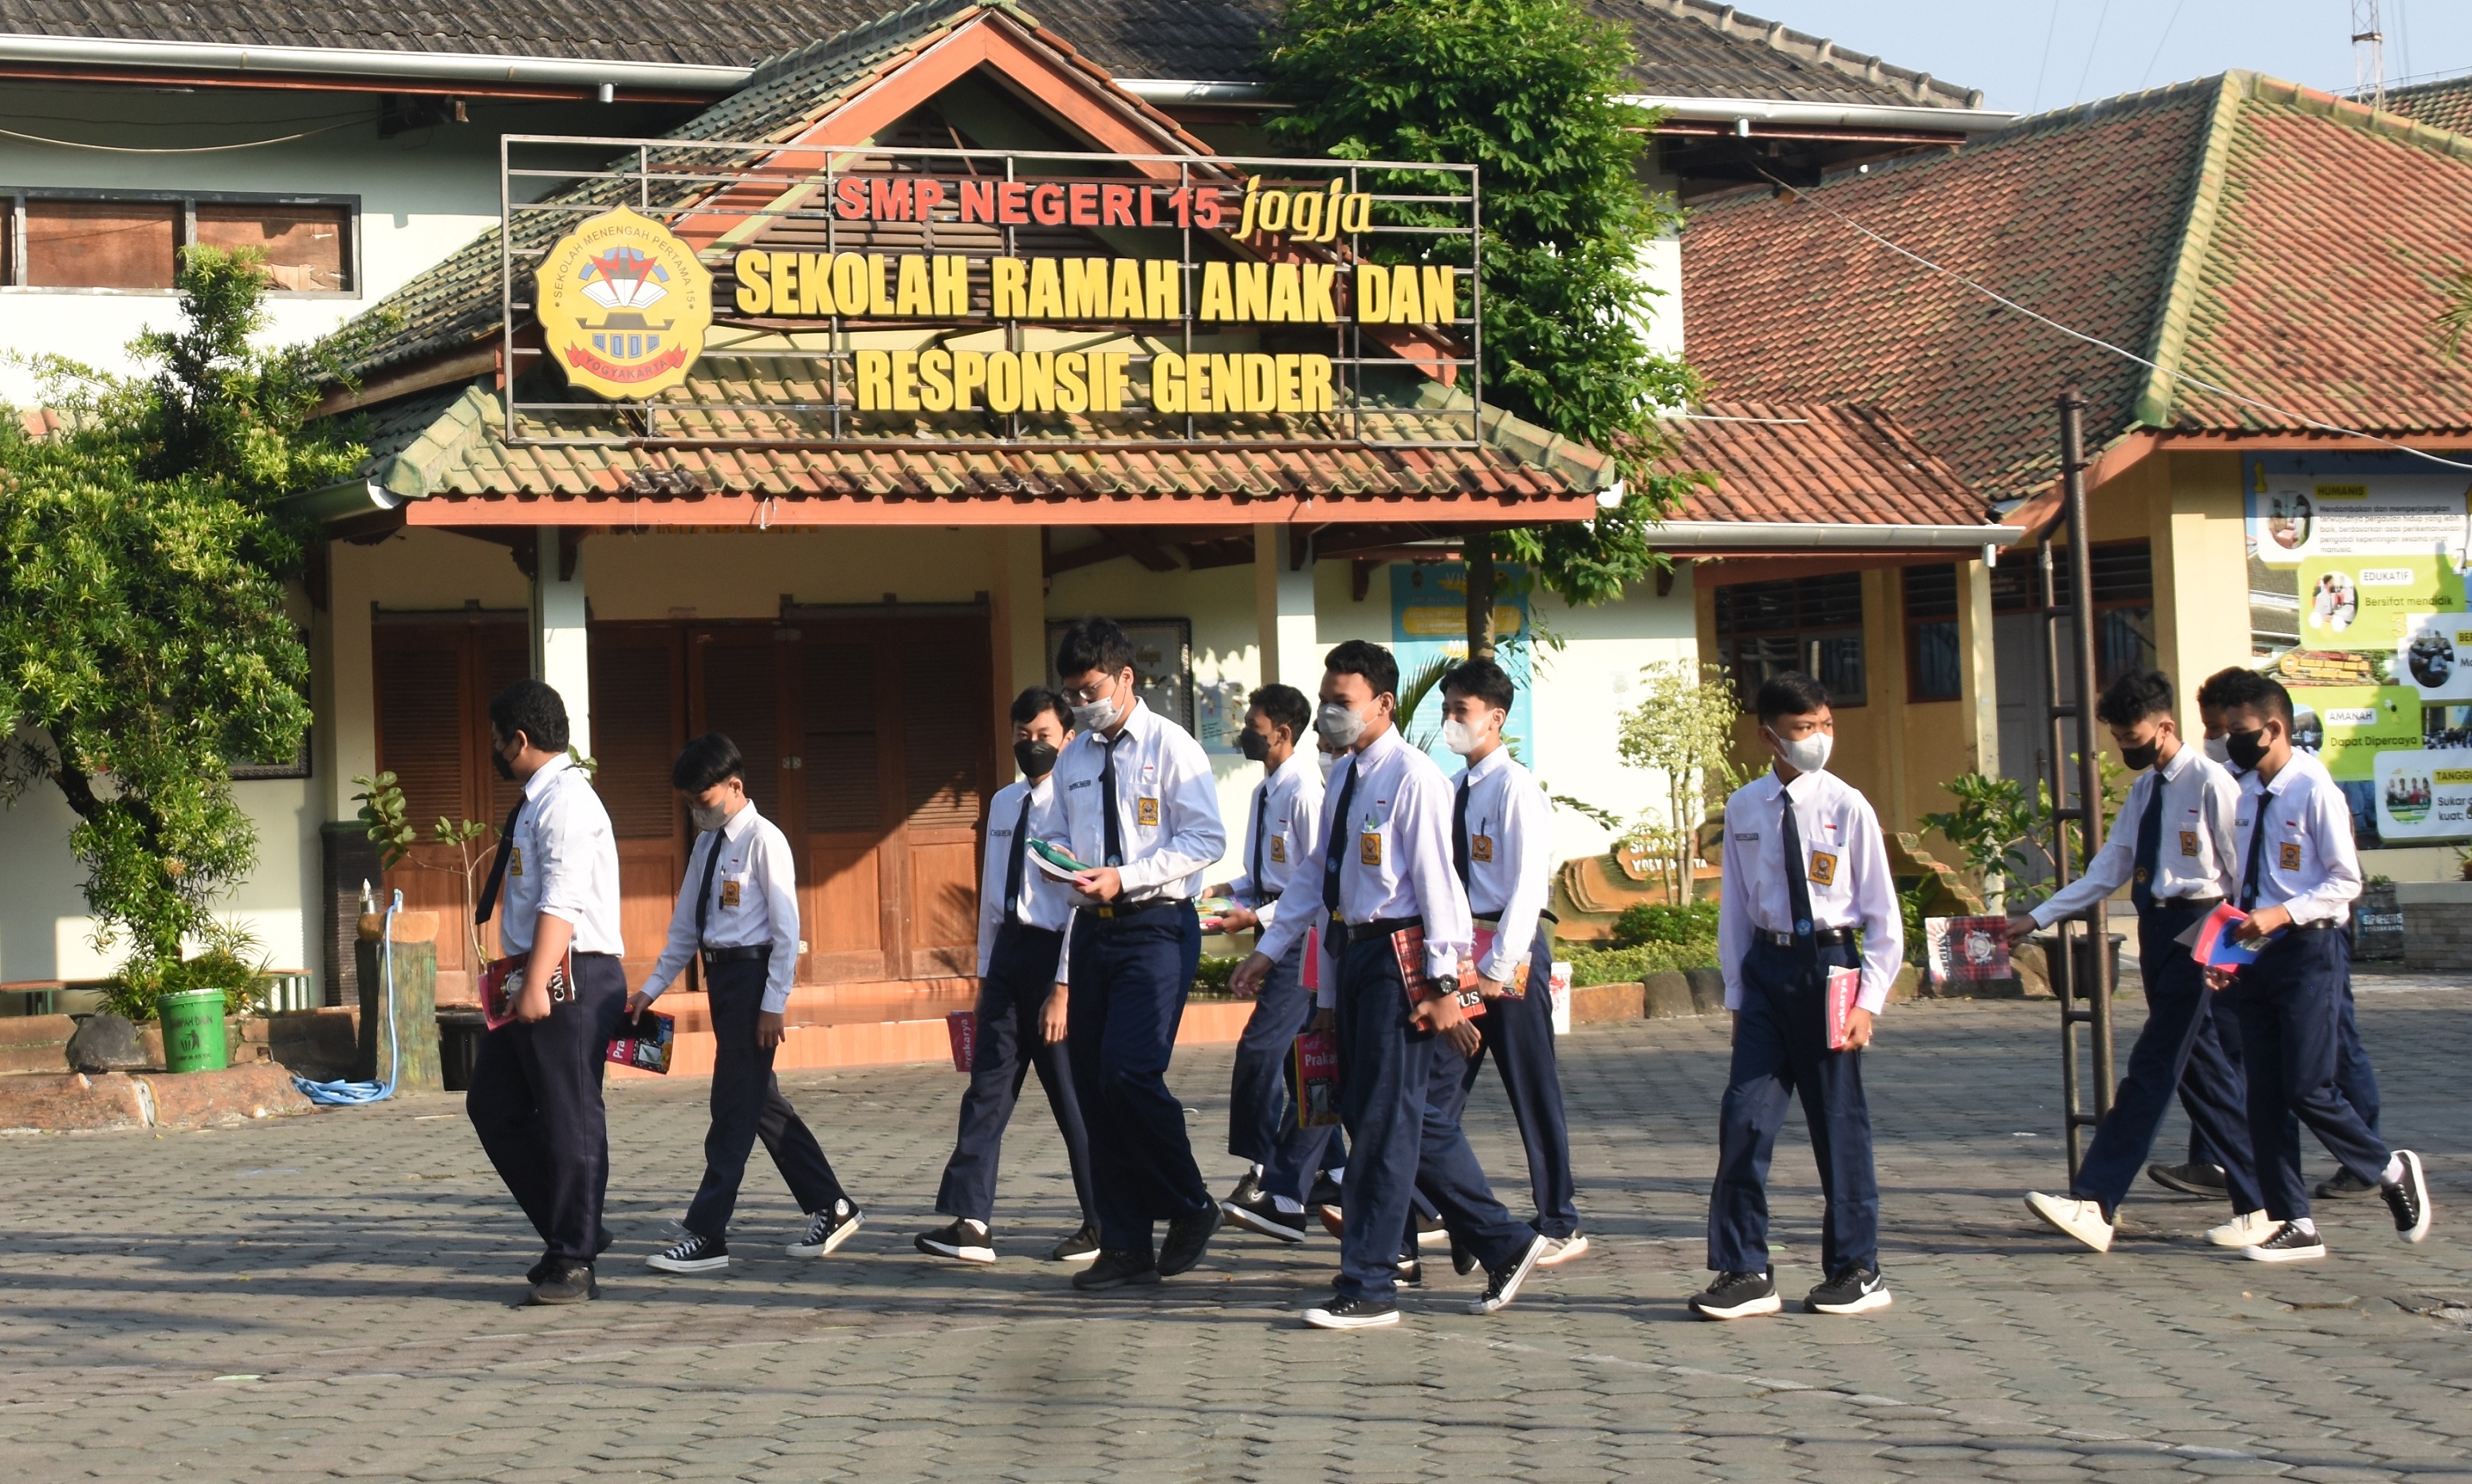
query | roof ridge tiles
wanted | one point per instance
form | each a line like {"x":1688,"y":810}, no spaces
{"x":1821,"y":53}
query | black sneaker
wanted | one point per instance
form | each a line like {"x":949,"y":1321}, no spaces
{"x":2344,"y":1186}
{"x":1261,"y":1215}
{"x":1411,"y":1271}
{"x":541,"y":1269}
{"x":1353,"y":1314}
{"x":1117,"y":1270}
{"x":828,"y":1229}
{"x":1737,"y":1296}
{"x":1853,"y":1291}
{"x":2409,"y":1198}
{"x":1462,"y":1257}
{"x":964,"y":1241}
{"x":1248,"y":1188}
{"x":2288,"y":1244}
{"x":1080,"y":1247}
{"x":1188,"y":1238}
{"x":1502,"y":1285}
{"x":565,"y":1282}
{"x":1325,"y":1192}
{"x":695,"y":1255}
{"x":2200,"y":1180}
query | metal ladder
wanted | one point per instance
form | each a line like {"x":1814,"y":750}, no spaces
{"x":2083,"y":941}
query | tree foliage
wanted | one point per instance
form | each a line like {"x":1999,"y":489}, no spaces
{"x":144,"y":641}
{"x":1527,"y":91}
{"x":1683,"y":728}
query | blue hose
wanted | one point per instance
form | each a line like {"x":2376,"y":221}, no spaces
{"x":348,"y":1095}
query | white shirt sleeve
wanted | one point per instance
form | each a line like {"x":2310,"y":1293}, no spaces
{"x":1733,"y":906}
{"x":568,"y":846}
{"x":1189,"y":793}
{"x":1301,"y":905}
{"x":1875,"y":901}
{"x":679,"y":950}
{"x":2113,"y":864}
{"x":1522,"y":833}
{"x":770,"y":868}
{"x":2221,"y":808}
{"x":2329,"y":822}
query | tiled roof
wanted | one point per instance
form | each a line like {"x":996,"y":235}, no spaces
{"x":1821,"y":463}
{"x":2446,"y":105}
{"x":2239,"y":230}
{"x":1751,"y":58}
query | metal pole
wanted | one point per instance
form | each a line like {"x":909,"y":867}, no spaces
{"x":2089,"y":750}
{"x":2061,"y":961}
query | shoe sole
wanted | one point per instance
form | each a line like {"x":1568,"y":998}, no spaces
{"x":2179,"y":1186}
{"x":2261,"y":1254}
{"x":2330,"y":1191}
{"x":2053,"y":1221}
{"x":831,"y":1243}
{"x":536,"y":1301}
{"x":1440,"y":1236}
{"x":2416,"y":1181}
{"x":1092,"y":1255}
{"x":1577,"y":1246}
{"x":700,"y":1265}
{"x":1751,"y":1308}
{"x":1259,"y":1226}
{"x":1133,"y":1280}
{"x":1876,"y":1299}
{"x":1493,"y":1305}
{"x":960,"y":1253}
{"x":1324,"y":1319}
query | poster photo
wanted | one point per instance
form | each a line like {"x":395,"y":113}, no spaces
{"x":2425,"y":795}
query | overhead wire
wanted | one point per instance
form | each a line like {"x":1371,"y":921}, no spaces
{"x":2169,"y":22}
{"x":195,"y":149}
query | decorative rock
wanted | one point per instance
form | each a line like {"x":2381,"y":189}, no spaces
{"x":70,"y":1100}
{"x":106,"y":1042}
{"x":1668,"y":996}
{"x":1707,"y":989}
{"x":197,"y":1099}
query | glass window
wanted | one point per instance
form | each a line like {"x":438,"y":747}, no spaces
{"x":100,"y":244}
{"x":1933,"y":671}
{"x":1812,"y":624}
{"x":306,"y":248}
{"x":2124,"y":601}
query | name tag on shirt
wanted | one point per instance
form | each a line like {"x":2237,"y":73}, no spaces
{"x":1823,"y":869}
{"x":1279,"y":850}
{"x":1146,"y":811}
{"x":2288,"y":855}
{"x":1481,"y":848}
{"x":2188,"y":842}
{"x":1368,"y":849}
{"x":515,"y":861}
{"x":728,"y":892}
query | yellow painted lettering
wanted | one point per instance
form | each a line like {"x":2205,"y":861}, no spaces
{"x":1162,"y":289}
{"x":785,"y":283}
{"x":1086,"y":288}
{"x":1261,"y":383}
{"x":1441,"y":294}
{"x":1321,"y":293}
{"x":1004,"y":382}
{"x":1315,"y":394}
{"x":1004,"y":278}
{"x":1290,"y":375}
{"x":814,"y":284}
{"x":1167,"y":381}
{"x":905,"y":381}
{"x":874,"y":381}
{"x":1407,"y":305}
{"x":1253,"y":287}
{"x":1227,"y":383}
{"x":754,"y":281}
{"x":849,"y":283}
{"x":878,"y":303}
{"x":1111,"y":373}
{"x":1072,"y":380}
{"x":1125,"y":290}
{"x":936,"y":380}
{"x":1038,"y":377}
{"x":1046,"y":291}
{"x":1286,"y":289}
{"x":952,"y":286}
{"x":1218,"y":301}
{"x":910,"y":294}
{"x":969,"y":374}
{"x":1372,"y":294}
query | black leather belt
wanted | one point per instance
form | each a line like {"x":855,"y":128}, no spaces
{"x":1494,"y":918}
{"x":745,"y":955}
{"x":612,"y":957}
{"x":1826,"y":937}
{"x":2189,"y":903}
{"x":2323,"y":926}
{"x":1342,"y":933}
{"x":1119,"y":911}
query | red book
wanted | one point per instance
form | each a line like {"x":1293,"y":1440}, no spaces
{"x":963,"y":1027}
{"x":1844,"y":987}
{"x":501,"y":979}
{"x":1408,"y":947}
{"x":1315,"y":1062}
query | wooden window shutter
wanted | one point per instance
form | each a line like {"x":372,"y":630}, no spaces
{"x":842,"y":767}
{"x":944,"y":737}
{"x":633,"y":738}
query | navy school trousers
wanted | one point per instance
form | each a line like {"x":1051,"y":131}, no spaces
{"x":2352,"y":1070}
{"x":1520,"y":1035}
{"x":747,"y":1105}
{"x":535,"y":1103}
{"x":1781,"y":1048}
{"x":1261,"y":1105}
{"x":1021,"y":973}
{"x":1129,"y":980}
{"x":2290,"y":1005}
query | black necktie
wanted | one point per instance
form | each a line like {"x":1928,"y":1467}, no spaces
{"x":703,"y":893}
{"x":2256,"y":854}
{"x":1115,"y":829}
{"x":1797,"y":885}
{"x":1331,"y":848}
{"x":1013,"y":868}
{"x":2149,"y":845}
{"x":498,"y":866}
{"x":1261,"y":826}
{"x":1459,"y":830}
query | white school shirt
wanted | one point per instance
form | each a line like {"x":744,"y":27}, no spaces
{"x":1167,"y":805}
{"x":564,"y":862}
{"x":1394,"y":861}
{"x":2307,"y":865}
{"x":1509,"y":878}
{"x":1284,"y":817}
{"x":1045,"y":900}
{"x":2195,"y":857}
{"x":754,"y":901}
{"x":1845,"y":863}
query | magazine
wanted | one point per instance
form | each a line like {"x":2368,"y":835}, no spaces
{"x":1056,"y":861}
{"x":1966,"y":950}
{"x":1315,"y":1061}
{"x":1408,"y":947}
{"x":502,"y":982}
{"x":644,"y":1042}
{"x":963,"y":1027}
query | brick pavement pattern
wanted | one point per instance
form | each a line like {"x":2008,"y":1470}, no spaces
{"x":331,"y":1297}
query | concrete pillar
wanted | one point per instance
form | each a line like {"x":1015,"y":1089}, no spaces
{"x":1019,"y":598}
{"x":1283,"y":604}
{"x":1976,"y":654}
{"x":560,"y":655}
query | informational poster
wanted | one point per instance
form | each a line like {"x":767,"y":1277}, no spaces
{"x":1429,"y":628}
{"x":1162,"y":663}
{"x":2373,"y":549}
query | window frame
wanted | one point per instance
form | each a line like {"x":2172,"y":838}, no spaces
{"x":1914,"y":625}
{"x":1804,"y":635}
{"x":2030,"y":584}
{"x":12,"y":206}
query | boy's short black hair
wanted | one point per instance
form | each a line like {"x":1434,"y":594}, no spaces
{"x":535,"y":709}
{"x":2210,"y":695}
{"x":2135,"y":696}
{"x":1483,"y":679}
{"x":1027,"y":706}
{"x":1285,"y":706}
{"x":1360,"y":656}
{"x":1788,"y":693}
{"x":1098,"y":644}
{"x":705,"y":762}
{"x":2246,"y":690}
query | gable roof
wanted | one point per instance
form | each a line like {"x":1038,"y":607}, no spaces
{"x":2243,"y":230}
{"x":1813,"y":464}
{"x":2446,"y":105}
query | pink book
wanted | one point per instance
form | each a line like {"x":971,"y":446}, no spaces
{"x":963,"y":1027}
{"x":1312,"y":975}
{"x":1844,"y":987}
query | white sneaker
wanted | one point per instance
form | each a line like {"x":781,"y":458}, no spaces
{"x":1564,"y":1249}
{"x":2081,"y":1219}
{"x":2247,"y":1229}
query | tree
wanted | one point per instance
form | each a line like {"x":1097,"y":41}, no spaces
{"x":1527,"y":91}
{"x":144,"y":642}
{"x":1683,"y":728}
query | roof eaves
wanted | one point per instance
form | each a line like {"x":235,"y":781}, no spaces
{"x":2181,"y":286}
{"x":1820,"y":52}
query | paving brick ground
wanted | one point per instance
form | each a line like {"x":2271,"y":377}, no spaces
{"x":331,"y":1297}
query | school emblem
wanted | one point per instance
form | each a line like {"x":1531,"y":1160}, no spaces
{"x":2188,"y":842}
{"x":515,"y":861}
{"x":623,"y":305}
{"x":2288,"y":854}
{"x":729,"y":894}
{"x":1368,"y":849}
{"x":1823,"y":869}
{"x":1280,"y":850}
{"x":1146,"y":812}
{"x":1481,"y":848}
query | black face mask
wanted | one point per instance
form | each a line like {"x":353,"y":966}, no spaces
{"x":2138,"y":757}
{"x":498,"y":760}
{"x":1038,"y":759}
{"x":1255,"y":746}
{"x":2248,"y":748}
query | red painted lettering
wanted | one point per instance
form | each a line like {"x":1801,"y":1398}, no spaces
{"x":1047,"y":203}
{"x":1081,"y":205}
{"x":978,"y":200}
{"x":1206,"y":213}
{"x":849,"y":199}
{"x":930,"y":195}
{"x":1012,"y":204}
{"x":889,"y":198}
{"x":1116,"y":206}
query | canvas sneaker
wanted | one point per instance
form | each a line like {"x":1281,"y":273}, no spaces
{"x":964,"y":1241}
{"x":1853,"y":1291}
{"x":1325,"y":1192}
{"x":1431,"y":1232}
{"x":695,"y":1255}
{"x":2288,"y":1243}
{"x":2409,"y":1198}
{"x":1563,"y":1250}
{"x":2246,"y":1229}
{"x":1353,"y":1314}
{"x":1737,"y":1296}
{"x":828,"y":1229}
{"x":1261,"y":1215}
{"x":2193,"y":1179}
{"x":564,"y":1283}
{"x":1502,"y":1285}
{"x":2081,"y":1219}
{"x":1082,"y":1246}
{"x":1410,"y":1272}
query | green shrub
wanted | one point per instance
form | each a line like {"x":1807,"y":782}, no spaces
{"x":1656,"y":921}
{"x":231,"y":960}
{"x":1210,"y":979}
{"x":1629,"y":966}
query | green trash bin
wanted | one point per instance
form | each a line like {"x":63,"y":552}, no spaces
{"x":193,"y":1031}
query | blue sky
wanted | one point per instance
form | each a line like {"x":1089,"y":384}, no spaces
{"x":2044,"y":54}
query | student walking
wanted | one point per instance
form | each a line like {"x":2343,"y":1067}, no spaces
{"x":2172,"y":847}
{"x":1141,"y":802}
{"x":1381,"y":867}
{"x":739,"y":919}
{"x":1284,"y":815}
{"x":1805,"y":870}
{"x":2297,"y":876}
{"x":1024,"y":917}
{"x":536,"y":1095}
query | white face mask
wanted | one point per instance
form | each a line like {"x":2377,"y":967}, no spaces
{"x":1097,"y":716}
{"x":2219,"y":749}
{"x":706,"y":819}
{"x":1339,"y":726}
{"x":1328,"y":761}
{"x":1458,"y":736}
{"x":1809,"y":754}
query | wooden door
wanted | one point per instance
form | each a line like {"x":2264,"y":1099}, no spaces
{"x":852,"y":921}
{"x":944,"y":772}
{"x":638,"y":725}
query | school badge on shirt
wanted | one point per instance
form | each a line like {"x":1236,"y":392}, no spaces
{"x":2188,"y":842}
{"x":2288,"y":855}
{"x":728,"y":892}
{"x":1146,"y":811}
{"x":1279,"y":850}
{"x":515,"y":861}
{"x":1823,"y":869}
{"x":1368,"y":843}
{"x":1481,"y":848}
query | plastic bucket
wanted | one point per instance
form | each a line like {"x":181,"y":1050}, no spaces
{"x":193,"y":1031}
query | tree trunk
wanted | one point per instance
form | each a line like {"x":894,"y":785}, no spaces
{"x":1480,"y":595}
